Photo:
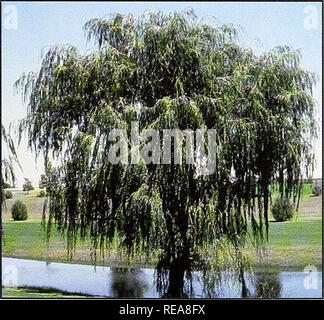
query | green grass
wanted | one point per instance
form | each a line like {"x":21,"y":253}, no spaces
{"x":295,"y":243}
{"x":26,"y":239}
{"x":305,"y":192}
{"x":48,"y":293}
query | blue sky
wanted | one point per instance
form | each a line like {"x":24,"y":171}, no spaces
{"x":43,"y":24}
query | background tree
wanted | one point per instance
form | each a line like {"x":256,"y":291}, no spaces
{"x":42,"y":181}
{"x":169,"y":71}
{"x":7,"y":170}
{"x":27,"y":186}
{"x":8,"y":176}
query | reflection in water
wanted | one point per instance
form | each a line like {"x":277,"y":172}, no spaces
{"x":205,"y":284}
{"x":213,"y":283}
{"x":127,"y":283}
{"x":268,"y":286}
{"x":245,"y":290}
{"x":224,"y":284}
{"x":130,"y":283}
{"x":163,"y":284}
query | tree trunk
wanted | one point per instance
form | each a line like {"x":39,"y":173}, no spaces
{"x":176,"y":282}
{"x":245,"y":291}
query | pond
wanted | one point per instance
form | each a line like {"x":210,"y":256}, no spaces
{"x":140,"y":283}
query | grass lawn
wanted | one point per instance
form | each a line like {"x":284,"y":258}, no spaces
{"x":295,"y":243}
{"x":26,"y":239}
{"x":37,"y":293}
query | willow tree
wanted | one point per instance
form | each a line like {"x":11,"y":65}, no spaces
{"x":168,"y":72}
{"x":7,"y":163}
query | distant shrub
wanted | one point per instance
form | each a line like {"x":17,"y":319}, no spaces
{"x":9,"y":195}
{"x":27,"y":186}
{"x":317,"y":190}
{"x":19,"y":211}
{"x":42,"y":194}
{"x":282,"y":209}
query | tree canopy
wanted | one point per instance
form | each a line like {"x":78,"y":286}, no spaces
{"x":170,"y":71}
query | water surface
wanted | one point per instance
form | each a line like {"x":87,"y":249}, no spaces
{"x":140,"y":283}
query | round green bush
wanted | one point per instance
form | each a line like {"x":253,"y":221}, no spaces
{"x":9,"y":195}
{"x":42,"y":194}
{"x":317,"y":190}
{"x":19,"y":211}
{"x":282,"y":209}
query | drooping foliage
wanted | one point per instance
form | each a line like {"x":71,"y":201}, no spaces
{"x":168,"y":71}
{"x":8,"y":176}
